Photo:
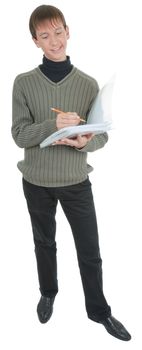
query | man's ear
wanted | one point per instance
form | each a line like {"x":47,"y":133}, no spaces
{"x":36,"y":42}
{"x":67,"y":32}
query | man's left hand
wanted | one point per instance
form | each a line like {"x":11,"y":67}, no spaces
{"x":79,"y":142}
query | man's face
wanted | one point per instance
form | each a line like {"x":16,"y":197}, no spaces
{"x":52,"y":37}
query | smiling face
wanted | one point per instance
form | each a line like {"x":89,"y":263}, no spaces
{"x":52,"y":38}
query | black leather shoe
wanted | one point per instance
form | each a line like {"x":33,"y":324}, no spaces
{"x":45,"y":308}
{"x":115,"y":328}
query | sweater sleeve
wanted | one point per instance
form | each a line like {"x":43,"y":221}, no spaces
{"x":25,"y":132}
{"x":98,"y":141}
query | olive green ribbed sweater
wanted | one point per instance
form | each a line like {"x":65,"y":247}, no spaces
{"x":33,"y":96}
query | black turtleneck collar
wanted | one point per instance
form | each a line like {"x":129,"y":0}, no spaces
{"x":56,"y":71}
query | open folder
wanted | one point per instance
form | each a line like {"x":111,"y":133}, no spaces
{"x":99,"y":118}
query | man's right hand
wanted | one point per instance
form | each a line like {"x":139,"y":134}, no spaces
{"x":64,"y":120}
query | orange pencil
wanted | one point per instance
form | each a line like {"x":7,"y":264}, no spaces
{"x":59,"y":111}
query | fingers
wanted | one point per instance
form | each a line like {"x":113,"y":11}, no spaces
{"x":67,"y":119}
{"x":78,"y":142}
{"x":66,"y":141}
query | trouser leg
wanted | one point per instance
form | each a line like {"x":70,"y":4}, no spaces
{"x":42,"y":209}
{"x":77,"y":203}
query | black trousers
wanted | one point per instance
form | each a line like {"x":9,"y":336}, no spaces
{"x":78,"y":206}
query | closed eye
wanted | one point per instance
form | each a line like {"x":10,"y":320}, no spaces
{"x":59,"y":32}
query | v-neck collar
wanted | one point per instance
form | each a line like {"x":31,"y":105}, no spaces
{"x":42,"y":75}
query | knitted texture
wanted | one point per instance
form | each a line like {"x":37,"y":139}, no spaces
{"x":33,"y":96}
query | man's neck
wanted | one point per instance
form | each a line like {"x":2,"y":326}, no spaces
{"x":56,"y":71}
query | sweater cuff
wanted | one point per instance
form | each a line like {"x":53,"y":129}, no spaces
{"x":97,"y":142}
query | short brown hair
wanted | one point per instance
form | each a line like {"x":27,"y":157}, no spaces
{"x":43,"y":12}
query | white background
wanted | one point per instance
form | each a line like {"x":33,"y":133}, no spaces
{"x":105,"y":38}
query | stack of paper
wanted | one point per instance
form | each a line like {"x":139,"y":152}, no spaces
{"x":99,"y":118}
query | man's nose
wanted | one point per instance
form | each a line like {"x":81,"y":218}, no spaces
{"x":53,"y":40}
